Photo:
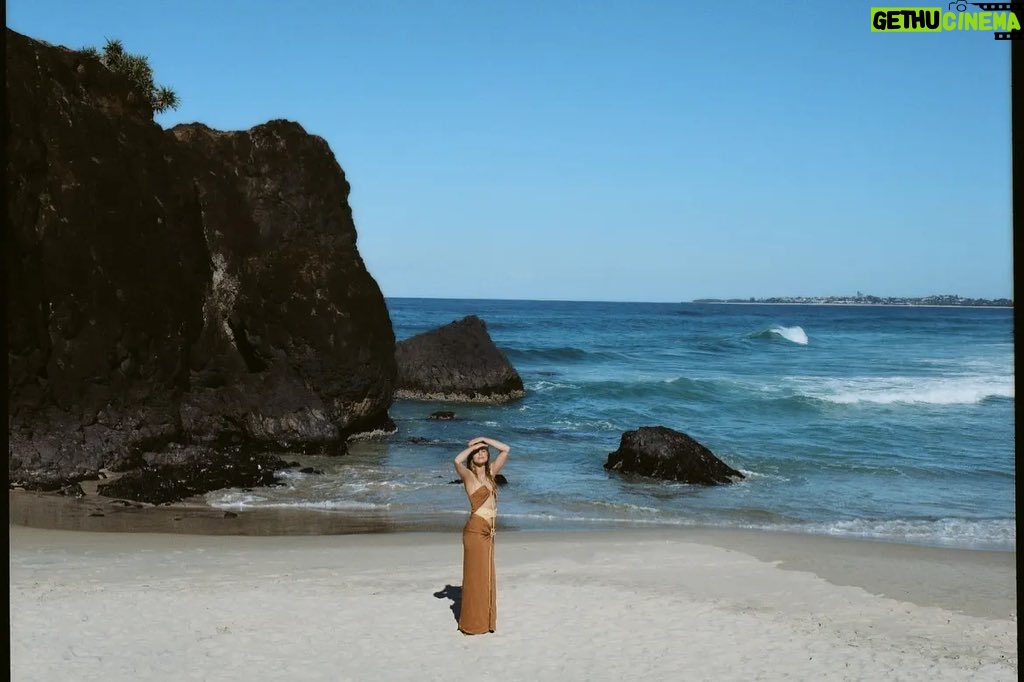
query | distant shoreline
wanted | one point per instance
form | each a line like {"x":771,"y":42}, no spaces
{"x":859,"y":305}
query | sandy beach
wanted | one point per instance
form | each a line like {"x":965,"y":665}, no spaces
{"x":631,"y":604}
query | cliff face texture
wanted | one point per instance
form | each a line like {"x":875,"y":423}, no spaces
{"x":187,"y":286}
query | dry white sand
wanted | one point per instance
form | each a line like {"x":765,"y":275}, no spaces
{"x":691,"y":605}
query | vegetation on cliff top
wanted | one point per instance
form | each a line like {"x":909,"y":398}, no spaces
{"x":137,"y":69}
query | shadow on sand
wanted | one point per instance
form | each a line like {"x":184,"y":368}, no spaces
{"x":453,"y":592}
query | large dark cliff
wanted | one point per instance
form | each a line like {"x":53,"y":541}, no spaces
{"x":185,"y":286}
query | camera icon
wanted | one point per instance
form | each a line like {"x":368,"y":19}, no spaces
{"x":961,"y":6}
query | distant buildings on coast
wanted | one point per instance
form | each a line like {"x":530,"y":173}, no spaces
{"x":862,"y":299}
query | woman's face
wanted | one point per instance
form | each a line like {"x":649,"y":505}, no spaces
{"x":481,"y":456}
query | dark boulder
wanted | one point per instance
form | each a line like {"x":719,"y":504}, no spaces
{"x":189,"y":286}
{"x":442,"y":416}
{"x":660,"y":452}
{"x":73,"y":490}
{"x":457,"y":362}
{"x":185,"y":471}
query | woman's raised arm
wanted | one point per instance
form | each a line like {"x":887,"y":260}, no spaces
{"x":502,"y":457}
{"x":460,"y":462}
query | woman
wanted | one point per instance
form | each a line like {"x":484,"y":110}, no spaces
{"x":479,"y":594}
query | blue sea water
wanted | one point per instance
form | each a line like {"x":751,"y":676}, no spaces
{"x":893,"y":423}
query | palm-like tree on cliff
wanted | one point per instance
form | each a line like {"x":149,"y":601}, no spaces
{"x":136,"y":67}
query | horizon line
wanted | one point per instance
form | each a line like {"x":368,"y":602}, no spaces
{"x":737,"y":300}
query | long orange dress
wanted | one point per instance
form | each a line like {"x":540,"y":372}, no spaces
{"x":479,"y":611}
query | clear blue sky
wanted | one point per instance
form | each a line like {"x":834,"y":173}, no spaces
{"x":612,"y":150}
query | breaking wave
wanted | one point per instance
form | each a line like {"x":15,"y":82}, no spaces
{"x":966,"y":390}
{"x":792,"y":334}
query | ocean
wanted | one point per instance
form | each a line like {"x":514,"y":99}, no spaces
{"x":888,"y":423}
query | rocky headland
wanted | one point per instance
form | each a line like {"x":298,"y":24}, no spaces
{"x":184,"y":290}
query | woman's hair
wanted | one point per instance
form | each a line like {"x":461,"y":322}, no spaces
{"x":487,"y":468}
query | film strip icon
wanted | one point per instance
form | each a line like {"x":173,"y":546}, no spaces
{"x":995,"y":7}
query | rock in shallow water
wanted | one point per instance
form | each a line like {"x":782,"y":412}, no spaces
{"x":660,"y":452}
{"x":457,"y":362}
{"x":73,"y":490}
{"x":184,"y":471}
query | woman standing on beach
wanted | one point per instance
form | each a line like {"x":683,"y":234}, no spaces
{"x":479,"y":593}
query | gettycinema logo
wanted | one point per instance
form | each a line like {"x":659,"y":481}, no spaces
{"x":1000,"y":17}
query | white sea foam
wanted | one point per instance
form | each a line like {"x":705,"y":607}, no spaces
{"x":981,"y":534}
{"x":232,"y":499}
{"x":754,"y":475}
{"x":995,"y":534}
{"x":590,"y":424}
{"x":401,"y":485}
{"x":545,"y":386}
{"x":955,"y":390}
{"x":241,"y":502}
{"x":559,"y":518}
{"x":372,"y":435}
{"x":795,"y":334}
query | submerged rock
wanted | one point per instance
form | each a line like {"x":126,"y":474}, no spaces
{"x":73,"y":490}
{"x":442,"y":416}
{"x":458,"y":363}
{"x":660,"y":452}
{"x":185,"y":471}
